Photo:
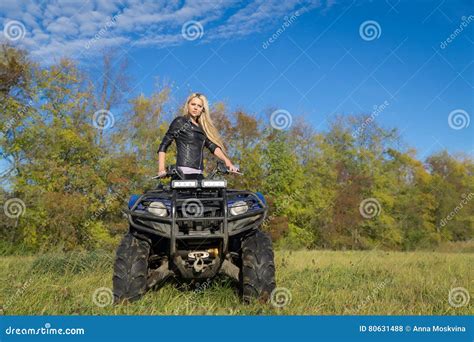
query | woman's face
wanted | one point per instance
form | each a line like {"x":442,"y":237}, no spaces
{"x":195,"y":107}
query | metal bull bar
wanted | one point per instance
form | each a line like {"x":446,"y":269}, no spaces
{"x":224,"y":235}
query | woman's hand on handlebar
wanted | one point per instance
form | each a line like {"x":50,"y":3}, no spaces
{"x":162,"y":173}
{"x":231,"y":167}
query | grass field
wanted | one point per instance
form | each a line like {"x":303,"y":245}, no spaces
{"x":318,"y":282}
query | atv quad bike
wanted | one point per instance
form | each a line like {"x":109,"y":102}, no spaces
{"x":193,"y":231}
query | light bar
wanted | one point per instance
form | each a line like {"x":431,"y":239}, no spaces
{"x":184,"y":183}
{"x":214,"y":183}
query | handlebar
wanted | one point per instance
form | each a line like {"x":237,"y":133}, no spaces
{"x":173,"y":170}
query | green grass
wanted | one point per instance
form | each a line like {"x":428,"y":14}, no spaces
{"x":320,"y":283}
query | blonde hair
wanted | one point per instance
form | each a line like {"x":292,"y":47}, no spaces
{"x":205,"y":120}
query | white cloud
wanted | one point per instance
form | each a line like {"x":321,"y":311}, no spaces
{"x":64,"y":28}
{"x":30,"y":20}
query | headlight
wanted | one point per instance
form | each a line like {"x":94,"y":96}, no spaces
{"x":238,"y":208}
{"x":158,"y":209}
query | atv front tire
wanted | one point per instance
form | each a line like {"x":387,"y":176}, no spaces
{"x":257,"y":276}
{"x":130,"y":269}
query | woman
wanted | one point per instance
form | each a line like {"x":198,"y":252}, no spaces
{"x":192,"y":131}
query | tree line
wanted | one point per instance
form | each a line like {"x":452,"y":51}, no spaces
{"x":74,"y":148}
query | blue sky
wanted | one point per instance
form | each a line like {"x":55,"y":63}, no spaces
{"x":321,"y":63}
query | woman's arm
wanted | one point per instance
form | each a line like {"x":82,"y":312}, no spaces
{"x":161,"y":163}
{"x":217,"y":151}
{"x":219,"y":154}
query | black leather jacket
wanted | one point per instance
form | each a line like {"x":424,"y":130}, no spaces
{"x":190,"y":142}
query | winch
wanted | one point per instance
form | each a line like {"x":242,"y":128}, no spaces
{"x":198,"y":258}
